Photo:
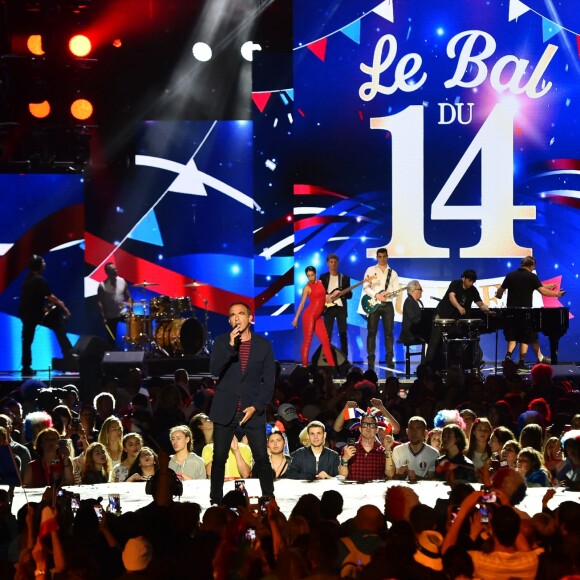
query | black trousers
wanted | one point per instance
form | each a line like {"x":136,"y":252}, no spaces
{"x":386,"y":313}
{"x":255,"y":430}
{"x":339,"y":314}
{"x":28,"y":331}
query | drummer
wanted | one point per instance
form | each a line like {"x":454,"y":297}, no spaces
{"x":112,"y":299}
{"x":457,"y":301}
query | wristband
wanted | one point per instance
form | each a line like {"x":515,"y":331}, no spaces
{"x":344,"y":462}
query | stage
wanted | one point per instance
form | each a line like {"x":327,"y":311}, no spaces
{"x":287,"y":493}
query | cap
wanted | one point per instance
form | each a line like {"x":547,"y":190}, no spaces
{"x":287,"y":412}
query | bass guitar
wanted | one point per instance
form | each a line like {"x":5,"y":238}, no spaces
{"x":346,"y":290}
{"x":369,"y":304}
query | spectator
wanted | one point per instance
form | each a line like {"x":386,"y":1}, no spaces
{"x":315,"y":461}
{"x":434,"y":439}
{"x":365,"y":460}
{"x":509,"y":453}
{"x":104,"y":405}
{"x":531,"y":465}
{"x":111,"y":437}
{"x":239,"y":462}
{"x":52,"y":465}
{"x":453,"y":465}
{"x":570,"y":473}
{"x":479,"y":450}
{"x":499,"y":436}
{"x":145,"y":466}
{"x":278,"y":459}
{"x":532,"y":435}
{"x":132,"y":443}
{"x":202,"y":432}
{"x":414,"y":459}
{"x":186,"y":464}
{"x":34,"y":423}
{"x":553,"y":457}
{"x":289,"y":418}
{"x":97,"y":465}
{"x":18,"y":449}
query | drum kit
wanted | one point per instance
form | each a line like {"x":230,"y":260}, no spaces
{"x":465,"y":332}
{"x":167,"y":325}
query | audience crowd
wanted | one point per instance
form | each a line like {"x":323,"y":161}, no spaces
{"x":489,"y":439}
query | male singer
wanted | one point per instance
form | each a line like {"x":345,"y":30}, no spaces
{"x":244,"y":365}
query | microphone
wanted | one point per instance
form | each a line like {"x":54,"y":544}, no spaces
{"x":435,"y":298}
{"x":238,"y":341}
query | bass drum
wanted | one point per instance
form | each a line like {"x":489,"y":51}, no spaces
{"x":180,"y":336}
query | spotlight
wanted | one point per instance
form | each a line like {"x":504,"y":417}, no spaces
{"x":202,"y":51}
{"x":39,"y":110}
{"x":34,"y":44}
{"x":80,"y":45}
{"x":81,"y":109}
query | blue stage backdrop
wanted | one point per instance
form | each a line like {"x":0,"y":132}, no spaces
{"x":446,"y":132}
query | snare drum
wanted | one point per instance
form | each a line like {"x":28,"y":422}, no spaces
{"x":161,"y":307}
{"x":443,"y":323}
{"x":138,"y":329}
{"x":180,"y":336}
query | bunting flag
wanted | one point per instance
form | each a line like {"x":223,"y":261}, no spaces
{"x":318,"y":48}
{"x":261,"y":100}
{"x":578,"y":44}
{"x":385,"y":10}
{"x":352,"y":31}
{"x":516,"y":9}
{"x":549,"y":29}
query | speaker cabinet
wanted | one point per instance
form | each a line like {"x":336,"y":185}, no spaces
{"x":318,"y":359}
{"x":119,"y":364}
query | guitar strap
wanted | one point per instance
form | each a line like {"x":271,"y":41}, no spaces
{"x":388,"y":278}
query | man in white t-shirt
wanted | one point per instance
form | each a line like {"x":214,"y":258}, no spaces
{"x":415,"y":459}
{"x":112,"y":298}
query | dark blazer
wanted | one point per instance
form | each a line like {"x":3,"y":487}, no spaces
{"x":343,"y":281}
{"x":303,"y":464}
{"x":255,"y":386}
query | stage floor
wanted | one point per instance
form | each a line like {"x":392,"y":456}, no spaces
{"x":287,"y":493}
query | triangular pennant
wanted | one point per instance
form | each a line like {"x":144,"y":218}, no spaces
{"x":578,"y":44}
{"x":352,"y":31}
{"x":318,"y":48}
{"x":549,"y":29}
{"x":516,"y":9}
{"x":147,"y":230}
{"x":261,"y":100}
{"x":290,"y":93}
{"x":385,"y":10}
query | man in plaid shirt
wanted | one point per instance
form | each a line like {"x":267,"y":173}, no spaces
{"x":365,"y":460}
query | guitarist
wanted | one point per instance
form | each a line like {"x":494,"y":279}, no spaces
{"x":336,"y":308}
{"x":34,"y":295}
{"x":380,"y":282}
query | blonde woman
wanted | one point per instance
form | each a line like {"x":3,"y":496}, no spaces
{"x":97,"y":465}
{"x":111,"y":436}
{"x":185,"y":463}
{"x":132,"y":443}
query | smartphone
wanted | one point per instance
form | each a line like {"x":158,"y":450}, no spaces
{"x":264,"y":501}
{"x":75,"y":502}
{"x":483,"y":513}
{"x":351,"y":441}
{"x":99,"y":511}
{"x":488,"y":496}
{"x":75,"y":424}
{"x":254,"y":500}
{"x":250,"y":534}
{"x":240,"y":485}
{"x":115,"y":503}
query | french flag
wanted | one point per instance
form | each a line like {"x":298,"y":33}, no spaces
{"x":352,"y":413}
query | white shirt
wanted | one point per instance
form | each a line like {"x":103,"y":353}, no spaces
{"x":333,"y":284}
{"x":378,"y":281}
{"x":422,"y":463}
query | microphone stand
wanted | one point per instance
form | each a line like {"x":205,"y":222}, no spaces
{"x":207,"y":342}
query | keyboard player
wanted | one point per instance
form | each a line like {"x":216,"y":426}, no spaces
{"x":521,"y":284}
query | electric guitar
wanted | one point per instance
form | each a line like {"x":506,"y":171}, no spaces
{"x":369,"y":304}
{"x":346,"y":290}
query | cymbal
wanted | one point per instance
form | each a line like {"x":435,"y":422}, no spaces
{"x":145,"y":284}
{"x":193,"y":284}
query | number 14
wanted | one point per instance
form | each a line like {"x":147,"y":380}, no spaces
{"x":497,"y":212}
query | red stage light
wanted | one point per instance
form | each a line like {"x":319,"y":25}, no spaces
{"x":81,"y":109}
{"x":117,"y":43}
{"x":80,"y":45}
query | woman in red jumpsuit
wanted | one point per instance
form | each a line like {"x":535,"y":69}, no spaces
{"x":312,"y":321}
